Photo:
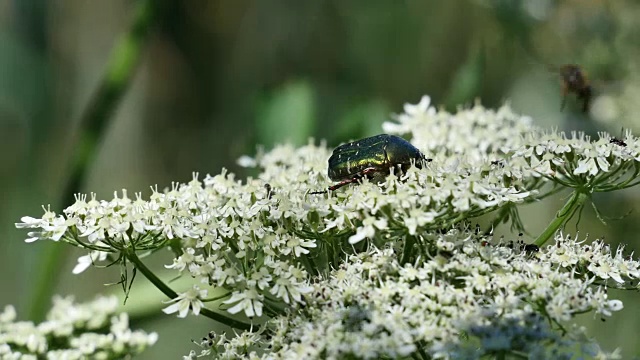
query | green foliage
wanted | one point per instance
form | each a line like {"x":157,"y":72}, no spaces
{"x":467,"y":82}
{"x":288,"y":115}
{"x":251,"y":73}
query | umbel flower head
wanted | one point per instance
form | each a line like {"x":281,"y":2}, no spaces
{"x":73,"y":331}
{"x":472,"y":300}
{"x":386,"y":269}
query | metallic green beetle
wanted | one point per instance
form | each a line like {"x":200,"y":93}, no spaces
{"x":373,"y":158}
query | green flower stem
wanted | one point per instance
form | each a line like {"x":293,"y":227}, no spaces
{"x":409,"y":243}
{"x":575,"y":201}
{"x":140,"y":266}
{"x":115,"y":81}
{"x":502,"y":214}
{"x":216,"y":298}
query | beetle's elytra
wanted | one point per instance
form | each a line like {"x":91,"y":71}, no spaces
{"x":373,"y":158}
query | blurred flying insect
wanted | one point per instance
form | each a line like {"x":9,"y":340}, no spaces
{"x":371,"y":158}
{"x":574,"y":81}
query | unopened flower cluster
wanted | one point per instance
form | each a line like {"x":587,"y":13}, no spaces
{"x":476,"y":297}
{"x":72,"y":331}
{"x":269,"y":243}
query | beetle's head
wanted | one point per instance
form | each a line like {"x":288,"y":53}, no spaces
{"x":421,"y":160}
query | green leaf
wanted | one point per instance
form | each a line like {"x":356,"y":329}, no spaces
{"x":287,"y":116}
{"x":362,"y":120}
{"x":467,"y":81}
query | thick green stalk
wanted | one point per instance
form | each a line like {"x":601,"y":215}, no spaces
{"x":409,"y":244}
{"x":575,"y":201}
{"x":131,"y":256}
{"x":115,"y":81}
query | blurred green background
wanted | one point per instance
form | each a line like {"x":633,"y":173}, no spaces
{"x":216,"y":78}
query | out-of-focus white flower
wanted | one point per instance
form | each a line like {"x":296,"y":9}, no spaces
{"x":73,"y":331}
{"x":247,"y":161}
{"x":87,"y":260}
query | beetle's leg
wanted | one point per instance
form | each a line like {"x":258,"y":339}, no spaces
{"x":365,"y":173}
{"x":343,"y":183}
{"x":336,"y":186}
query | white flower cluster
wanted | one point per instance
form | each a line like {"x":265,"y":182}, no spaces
{"x":525,"y":151}
{"x":269,"y":246}
{"x":477,"y":133}
{"x":575,"y":161}
{"x":72,"y":331}
{"x":473,"y":299}
{"x":256,"y":238}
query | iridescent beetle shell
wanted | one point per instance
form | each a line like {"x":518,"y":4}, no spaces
{"x":372,"y":157}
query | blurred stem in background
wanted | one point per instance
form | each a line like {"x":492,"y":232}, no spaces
{"x":466,"y":84}
{"x":114,"y":83}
